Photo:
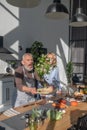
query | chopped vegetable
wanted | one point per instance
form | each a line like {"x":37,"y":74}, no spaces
{"x":54,"y":114}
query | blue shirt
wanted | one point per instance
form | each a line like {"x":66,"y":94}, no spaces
{"x":52,"y":78}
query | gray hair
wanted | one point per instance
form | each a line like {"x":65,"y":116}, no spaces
{"x":26,"y":54}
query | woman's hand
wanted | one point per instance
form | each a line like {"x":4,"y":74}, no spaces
{"x":50,"y":89}
{"x":58,"y":92}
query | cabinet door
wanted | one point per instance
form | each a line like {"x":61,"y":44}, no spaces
{"x":1,"y":93}
{"x":7,"y":92}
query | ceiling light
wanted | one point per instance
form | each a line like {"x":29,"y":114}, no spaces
{"x":57,"y":10}
{"x":24,"y":3}
{"x":79,"y":19}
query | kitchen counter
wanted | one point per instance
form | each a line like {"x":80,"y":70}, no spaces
{"x":68,"y":119}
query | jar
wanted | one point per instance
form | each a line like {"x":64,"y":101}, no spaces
{"x":27,"y":120}
{"x":81,"y":90}
{"x":32,"y":125}
{"x":39,"y":122}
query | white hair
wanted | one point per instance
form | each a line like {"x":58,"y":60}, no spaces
{"x":26,"y":54}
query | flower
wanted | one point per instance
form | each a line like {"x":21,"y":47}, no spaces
{"x":42,"y":67}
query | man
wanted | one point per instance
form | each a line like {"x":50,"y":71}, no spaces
{"x":25,"y":81}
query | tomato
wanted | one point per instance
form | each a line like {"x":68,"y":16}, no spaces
{"x":74,"y":103}
{"x":54,"y":104}
{"x":63,"y":101}
{"x":61,"y":105}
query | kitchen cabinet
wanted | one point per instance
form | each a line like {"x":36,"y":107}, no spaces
{"x":6,"y":91}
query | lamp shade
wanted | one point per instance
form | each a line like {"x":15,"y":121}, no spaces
{"x":57,"y":11}
{"x":24,"y":3}
{"x":79,"y":19}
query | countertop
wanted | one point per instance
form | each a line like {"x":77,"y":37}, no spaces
{"x":68,"y":119}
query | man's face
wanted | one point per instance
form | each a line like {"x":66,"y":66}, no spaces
{"x":28,"y":62}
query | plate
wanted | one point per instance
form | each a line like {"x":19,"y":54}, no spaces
{"x":44,"y":91}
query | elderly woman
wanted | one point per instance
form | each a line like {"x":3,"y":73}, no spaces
{"x":52,"y":78}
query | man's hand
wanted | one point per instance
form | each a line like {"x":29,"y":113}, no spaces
{"x":33,"y":90}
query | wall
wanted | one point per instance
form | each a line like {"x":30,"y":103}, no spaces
{"x":21,"y":26}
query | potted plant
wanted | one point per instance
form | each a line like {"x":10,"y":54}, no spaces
{"x":36,"y":50}
{"x":69,"y":71}
{"x":42,"y":66}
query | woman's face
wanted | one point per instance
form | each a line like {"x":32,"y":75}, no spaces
{"x":51,"y":59}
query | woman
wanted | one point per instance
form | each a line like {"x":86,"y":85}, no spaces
{"x":52,"y":78}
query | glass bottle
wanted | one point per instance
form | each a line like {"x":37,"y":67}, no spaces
{"x":27,"y":120}
{"x":32,"y":125}
{"x":38,"y":122}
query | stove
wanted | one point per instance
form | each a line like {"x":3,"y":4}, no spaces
{"x":5,"y":75}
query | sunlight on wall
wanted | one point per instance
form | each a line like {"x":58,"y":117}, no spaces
{"x":10,"y":16}
{"x":2,"y":68}
{"x":65,"y":49}
{"x":15,"y":46}
{"x":62,"y":58}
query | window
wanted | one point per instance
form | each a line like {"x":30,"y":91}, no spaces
{"x":78,"y":41}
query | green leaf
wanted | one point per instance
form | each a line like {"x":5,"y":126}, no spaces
{"x":42,"y":66}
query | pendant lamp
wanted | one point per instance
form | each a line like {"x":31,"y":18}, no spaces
{"x":79,"y":19}
{"x":56,"y":10}
{"x":24,"y":3}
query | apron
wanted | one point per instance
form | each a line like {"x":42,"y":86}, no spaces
{"x":23,"y":97}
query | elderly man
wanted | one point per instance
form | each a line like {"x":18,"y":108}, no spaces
{"x":25,"y":81}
